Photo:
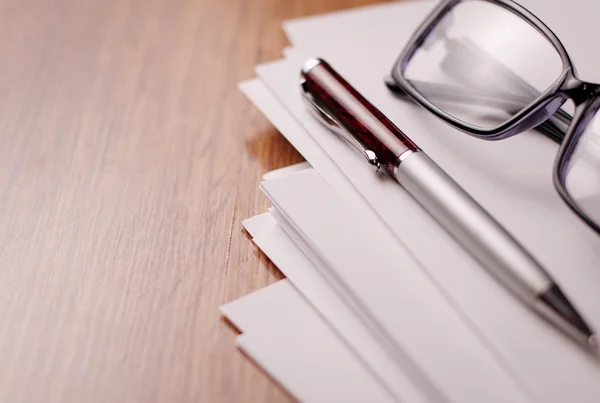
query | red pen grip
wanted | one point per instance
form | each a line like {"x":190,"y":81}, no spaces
{"x":355,"y":114}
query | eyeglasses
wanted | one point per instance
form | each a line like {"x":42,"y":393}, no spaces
{"x":492,"y":69}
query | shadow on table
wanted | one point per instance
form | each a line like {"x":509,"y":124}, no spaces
{"x":272,"y":150}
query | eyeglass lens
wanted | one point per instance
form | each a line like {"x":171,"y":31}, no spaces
{"x":481,"y":64}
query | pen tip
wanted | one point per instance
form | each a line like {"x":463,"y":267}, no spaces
{"x":558,"y":302}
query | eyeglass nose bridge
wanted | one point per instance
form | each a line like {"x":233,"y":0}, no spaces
{"x":568,"y":87}
{"x":577,"y":90}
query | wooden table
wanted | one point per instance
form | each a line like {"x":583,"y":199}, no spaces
{"x":128,"y":159}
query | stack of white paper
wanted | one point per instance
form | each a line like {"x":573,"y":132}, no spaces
{"x":380,"y":303}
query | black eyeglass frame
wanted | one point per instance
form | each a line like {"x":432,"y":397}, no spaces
{"x":585,"y":95}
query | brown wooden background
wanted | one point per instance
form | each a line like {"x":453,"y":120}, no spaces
{"x":128,"y":159}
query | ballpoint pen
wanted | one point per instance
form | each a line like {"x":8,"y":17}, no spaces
{"x":348,"y":114}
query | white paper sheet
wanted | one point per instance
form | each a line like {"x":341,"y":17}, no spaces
{"x":395,"y":298}
{"x":286,"y":170}
{"x":286,"y":337}
{"x":305,"y":356}
{"x":358,"y":25}
{"x":261,"y":307}
{"x":275,"y":243}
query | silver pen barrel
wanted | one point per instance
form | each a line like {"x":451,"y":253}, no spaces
{"x":486,"y":240}
{"x":359,"y":123}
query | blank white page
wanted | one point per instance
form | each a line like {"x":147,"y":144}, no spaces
{"x":388,"y":283}
{"x":285,"y":336}
{"x":290,"y":260}
{"x":302,"y":353}
{"x":255,"y":310}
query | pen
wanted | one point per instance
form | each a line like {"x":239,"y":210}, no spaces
{"x":347,"y":113}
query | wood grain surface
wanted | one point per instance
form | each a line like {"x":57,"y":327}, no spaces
{"x":128,"y":159}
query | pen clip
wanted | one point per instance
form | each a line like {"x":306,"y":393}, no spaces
{"x":328,"y":121}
